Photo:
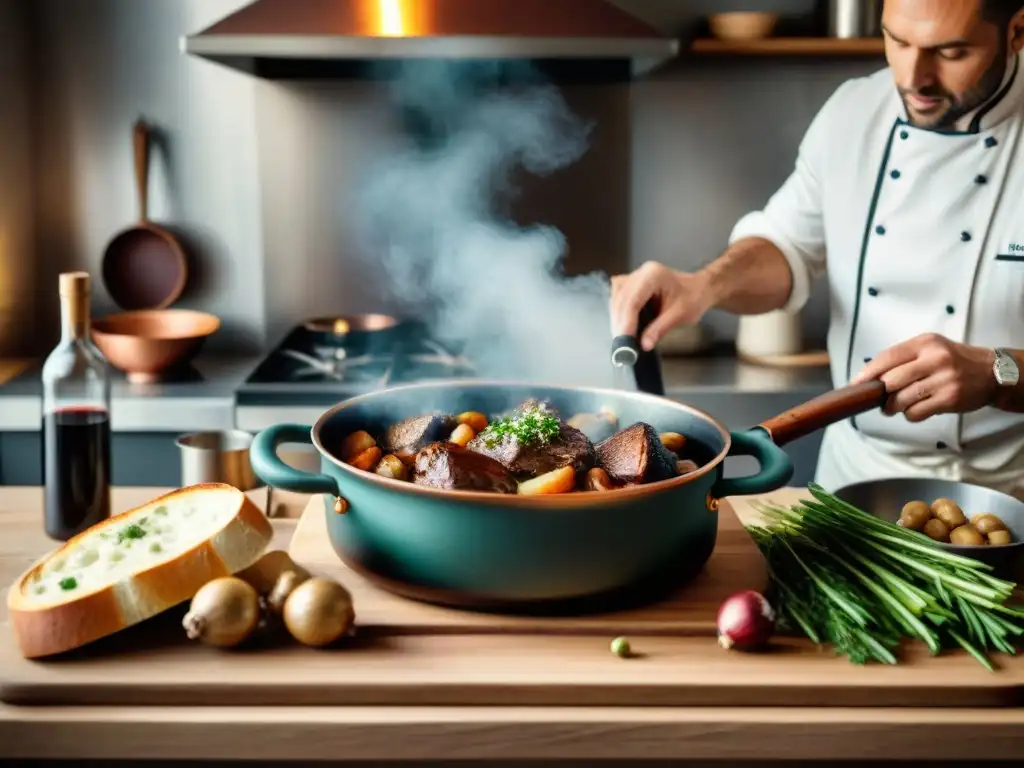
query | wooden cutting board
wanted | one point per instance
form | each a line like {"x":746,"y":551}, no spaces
{"x":391,"y":665}
{"x":735,"y":565}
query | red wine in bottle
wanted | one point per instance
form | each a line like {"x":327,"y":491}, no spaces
{"x":76,"y":420}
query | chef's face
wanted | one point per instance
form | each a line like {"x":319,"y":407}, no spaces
{"x":947,"y":58}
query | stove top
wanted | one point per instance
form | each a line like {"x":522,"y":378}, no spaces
{"x":304,"y":362}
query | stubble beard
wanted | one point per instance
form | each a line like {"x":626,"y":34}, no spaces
{"x":984,"y":90}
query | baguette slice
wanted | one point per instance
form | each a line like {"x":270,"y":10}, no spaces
{"x":133,"y":566}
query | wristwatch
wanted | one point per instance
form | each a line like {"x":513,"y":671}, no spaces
{"x":1005,"y":368}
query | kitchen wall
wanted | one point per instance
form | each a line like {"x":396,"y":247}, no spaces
{"x":675,"y":160}
{"x":261,"y":175}
{"x":712,"y":140}
{"x":16,"y":185}
{"x":319,"y":142}
{"x":102,"y":64}
{"x":714,"y":137}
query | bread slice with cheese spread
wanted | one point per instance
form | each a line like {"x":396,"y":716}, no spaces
{"x":133,"y":566}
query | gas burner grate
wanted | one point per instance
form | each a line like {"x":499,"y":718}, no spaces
{"x":415,"y":358}
{"x":378,"y":369}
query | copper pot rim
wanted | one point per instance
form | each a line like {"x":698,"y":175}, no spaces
{"x":203,"y":324}
{"x":562,"y":500}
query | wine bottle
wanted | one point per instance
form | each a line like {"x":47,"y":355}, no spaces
{"x":76,"y":420}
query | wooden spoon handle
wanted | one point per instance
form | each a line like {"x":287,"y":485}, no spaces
{"x":824,"y":411}
{"x":140,"y":136}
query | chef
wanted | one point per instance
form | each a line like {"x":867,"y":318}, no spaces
{"x":908,"y":193}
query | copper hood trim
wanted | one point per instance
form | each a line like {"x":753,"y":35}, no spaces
{"x":444,"y":29}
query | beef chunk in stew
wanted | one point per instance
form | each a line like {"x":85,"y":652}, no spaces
{"x":534,"y":441}
{"x":454,"y":468}
{"x":636,"y":455}
{"x":409,"y":435}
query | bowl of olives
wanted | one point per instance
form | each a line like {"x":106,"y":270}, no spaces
{"x":971,"y":520}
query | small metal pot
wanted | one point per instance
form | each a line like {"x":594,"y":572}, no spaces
{"x":885,"y":499}
{"x":853,"y":19}
{"x":219,"y":457}
{"x":371,"y":333}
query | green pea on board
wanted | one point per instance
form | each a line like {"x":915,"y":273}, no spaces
{"x":620,"y":647}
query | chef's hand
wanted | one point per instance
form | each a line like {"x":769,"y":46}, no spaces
{"x":930,"y":374}
{"x":681,"y":297}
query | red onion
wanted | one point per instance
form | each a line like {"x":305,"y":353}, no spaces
{"x":746,"y":621}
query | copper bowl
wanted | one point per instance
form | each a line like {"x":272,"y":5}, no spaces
{"x":742,"y":25}
{"x":147,"y":344}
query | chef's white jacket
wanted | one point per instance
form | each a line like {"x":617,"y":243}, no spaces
{"x":917,"y":231}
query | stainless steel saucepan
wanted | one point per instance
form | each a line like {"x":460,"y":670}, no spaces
{"x":886,"y":498}
{"x":220,"y":457}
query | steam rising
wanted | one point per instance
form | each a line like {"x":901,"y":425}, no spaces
{"x":435,"y":218}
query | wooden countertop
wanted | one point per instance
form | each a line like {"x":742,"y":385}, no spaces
{"x":418,"y":733}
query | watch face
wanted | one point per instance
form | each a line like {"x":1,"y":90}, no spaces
{"x":1007,"y":372}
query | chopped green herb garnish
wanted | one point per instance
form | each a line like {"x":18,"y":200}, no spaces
{"x":531,"y":425}
{"x":68,"y":583}
{"x":133,"y":531}
{"x":161,"y":510}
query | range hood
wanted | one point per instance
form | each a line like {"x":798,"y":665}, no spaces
{"x":300,"y":38}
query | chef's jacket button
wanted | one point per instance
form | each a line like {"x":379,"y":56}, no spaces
{"x":872,"y":291}
{"x":879,"y":230}
{"x":991,"y":141}
{"x":950,"y":309}
{"x":867,"y":360}
{"x":965,"y":237}
{"x":904,"y":135}
{"x":895,"y":174}
{"x":981,"y":179}
{"x":941,"y":446}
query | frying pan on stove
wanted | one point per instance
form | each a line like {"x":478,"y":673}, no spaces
{"x":357,"y":333}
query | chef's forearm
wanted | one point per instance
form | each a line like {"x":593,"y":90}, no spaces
{"x":752,"y":277}
{"x":1011,"y":399}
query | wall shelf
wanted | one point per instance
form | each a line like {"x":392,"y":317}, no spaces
{"x":790,"y":46}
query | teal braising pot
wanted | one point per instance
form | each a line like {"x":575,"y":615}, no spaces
{"x":506,"y":551}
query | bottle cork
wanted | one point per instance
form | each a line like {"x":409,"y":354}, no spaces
{"x":74,"y":295}
{"x":74,"y":284}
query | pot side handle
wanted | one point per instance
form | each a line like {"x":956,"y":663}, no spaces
{"x":775,"y":467}
{"x":823,"y":411}
{"x":270,"y":469}
{"x":764,"y":441}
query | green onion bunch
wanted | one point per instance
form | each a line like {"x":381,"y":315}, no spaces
{"x":844,"y":577}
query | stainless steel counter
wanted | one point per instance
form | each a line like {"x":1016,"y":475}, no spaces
{"x":210,"y":401}
{"x":146,"y":417}
{"x":739,"y":393}
{"x":685,"y":375}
